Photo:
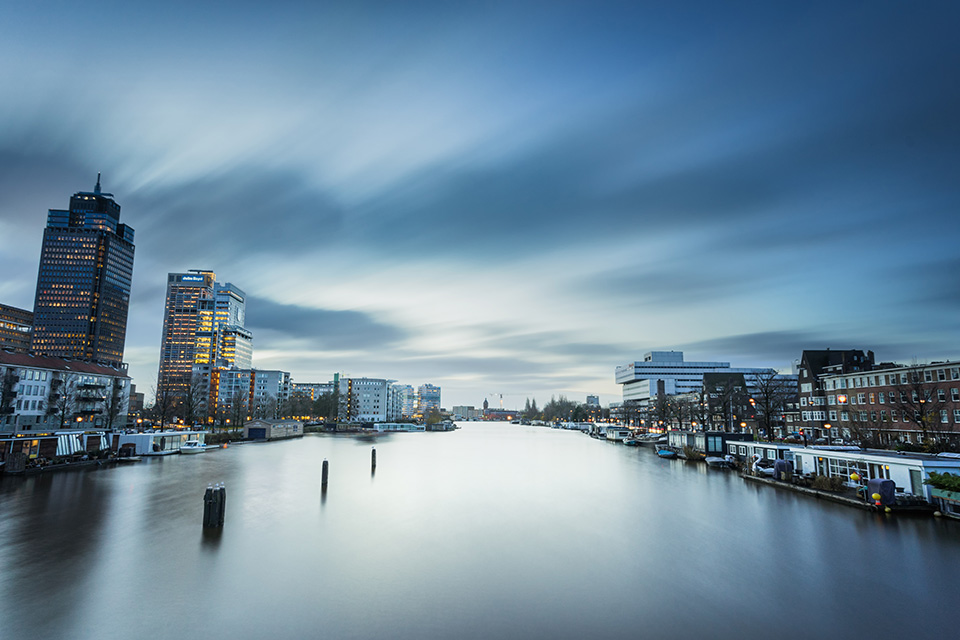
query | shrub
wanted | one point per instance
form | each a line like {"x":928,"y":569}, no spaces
{"x":944,"y":481}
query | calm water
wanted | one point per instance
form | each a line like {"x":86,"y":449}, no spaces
{"x":492,"y":531}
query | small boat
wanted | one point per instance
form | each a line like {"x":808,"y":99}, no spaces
{"x":717,"y":462}
{"x":666,"y":453}
{"x":129,"y":459}
{"x":631,"y":442}
{"x":192,"y":446}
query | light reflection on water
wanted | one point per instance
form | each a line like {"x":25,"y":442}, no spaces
{"x":490,"y":531}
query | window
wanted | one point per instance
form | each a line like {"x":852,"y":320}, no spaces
{"x":955,"y":395}
{"x":928,"y":376}
{"x":941,"y":374}
{"x":941,"y":395}
{"x":883,"y":416}
{"x":861,"y":398}
{"x":956,"y":415}
{"x":803,"y":401}
{"x":881,"y":397}
{"x":833,"y":415}
{"x":872,"y":399}
{"x":806,"y":387}
{"x":845,"y":416}
{"x":831,"y":399}
{"x":943,"y":416}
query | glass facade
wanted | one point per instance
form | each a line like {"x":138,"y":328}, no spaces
{"x":202,"y":329}
{"x":83,"y":286}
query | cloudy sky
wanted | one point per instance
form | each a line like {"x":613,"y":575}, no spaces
{"x":505,"y":198}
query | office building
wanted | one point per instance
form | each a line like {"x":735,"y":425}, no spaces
{"x":83,"y":285}
{"x":202,"y":330}
{"x":16,"y":328}
{"x":428,"y":399}
{"x":665,"y":372}
{"x":368,"y":400}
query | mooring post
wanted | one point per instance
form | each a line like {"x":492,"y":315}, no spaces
{"x":373,"y":458}
{"x":326,"y":470}
{"x":223,"y":504}
{"x":207,"y":505}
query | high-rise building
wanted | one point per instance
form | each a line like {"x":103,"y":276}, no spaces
{"x":16,"y":327}
{"x":83,"y":286}
{"x":202,"y":329}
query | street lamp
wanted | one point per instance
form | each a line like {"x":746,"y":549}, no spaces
{"x":826,"y":431}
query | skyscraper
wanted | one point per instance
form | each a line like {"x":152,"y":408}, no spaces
{"x":202,"y":329}
{"x":83,"y":286}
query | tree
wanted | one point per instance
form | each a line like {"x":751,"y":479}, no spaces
{"x":265,"y":406}
{"x":164,"y":400}
{"x":772,"y":393}
{"x":238,"y":409}
{"x":920,"y":401}
{"x":113,"y":402}
{"x":327,"y":405}
{"x":194,"y":401}
{"x":62,"y":401}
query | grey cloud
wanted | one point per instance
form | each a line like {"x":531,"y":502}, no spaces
{"x":322,"y":328}
{"x":233,"y":214}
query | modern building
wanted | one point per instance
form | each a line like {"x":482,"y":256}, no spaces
{"x":249,"y":392}
{"x":470,"y":412}
{"x":311,"y":390}
{"x":202,"y":330}
{"x":666,"y":372}
{"x":407,"y":398}
{"x":43,"y":393}
{"x":16,"y":328}
{"x":368,"y":400}
{"x":428,"y":399}
{"x":83,"y":285}
{"x":593,"y":401}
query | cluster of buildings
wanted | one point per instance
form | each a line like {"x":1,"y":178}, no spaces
{"x":61,"y":364}
{"x":833,"y":395}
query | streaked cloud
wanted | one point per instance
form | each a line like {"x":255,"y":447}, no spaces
{"x":506,"y":199}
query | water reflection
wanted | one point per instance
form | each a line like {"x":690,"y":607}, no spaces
{"x":490,"y":531}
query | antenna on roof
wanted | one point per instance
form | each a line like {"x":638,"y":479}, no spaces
{"x":96,"y":189}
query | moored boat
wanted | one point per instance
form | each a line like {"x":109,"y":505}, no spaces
{"x":666,"y":453}
{"x":192,"y":446}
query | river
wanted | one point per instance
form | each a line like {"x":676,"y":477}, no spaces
{"x":490,"y":531}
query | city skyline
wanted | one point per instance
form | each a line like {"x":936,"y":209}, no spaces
{"x":506,"y":200}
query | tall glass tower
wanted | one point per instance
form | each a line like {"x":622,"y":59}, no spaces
{"x":83,"y":287}
{"x":202,"y":329}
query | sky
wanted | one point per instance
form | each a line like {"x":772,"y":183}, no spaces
{"x":505,"y":198}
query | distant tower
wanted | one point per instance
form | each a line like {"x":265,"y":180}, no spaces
{"x":83,"y":286}
{"x":486,"y":405}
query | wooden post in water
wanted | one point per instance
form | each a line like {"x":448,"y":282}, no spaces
{"x":325,"y":473}
{"x":373,"y":458}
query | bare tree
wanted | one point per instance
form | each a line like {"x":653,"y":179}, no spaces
{"x":164,"y":401}
{"x":194,"y":401}
{"x":113,"y":402}
{"x":265,"y":407}
{"x":62,"y":401}
{"x":239,"y":408}
{"x":920,"y":401}
{"x":772,"y":393}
